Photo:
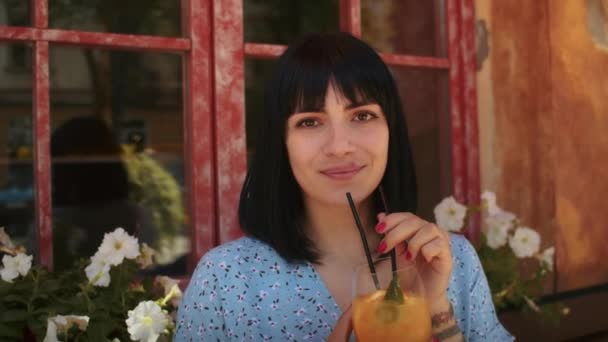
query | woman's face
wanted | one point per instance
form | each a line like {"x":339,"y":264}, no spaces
{"x":343,"y":148}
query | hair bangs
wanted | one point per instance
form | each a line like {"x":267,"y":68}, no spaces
{"x":353,"y":69}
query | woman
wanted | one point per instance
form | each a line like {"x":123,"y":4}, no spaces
{"x":334,"y":125}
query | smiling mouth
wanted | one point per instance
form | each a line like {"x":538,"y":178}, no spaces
{"x":342,"y":173}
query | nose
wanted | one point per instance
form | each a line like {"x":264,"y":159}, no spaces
{"x":339,"y":140}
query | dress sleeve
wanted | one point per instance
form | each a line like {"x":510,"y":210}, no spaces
{"x":200,"y":314}
{"x":479,"y":321}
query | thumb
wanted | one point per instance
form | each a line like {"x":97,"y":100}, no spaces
{"x":343,"y":327}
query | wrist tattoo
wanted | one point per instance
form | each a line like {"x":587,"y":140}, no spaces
{"x":442,"y":317}
{"x":447,"y":333}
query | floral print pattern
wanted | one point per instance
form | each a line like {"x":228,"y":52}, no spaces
{"x":244,"y":291}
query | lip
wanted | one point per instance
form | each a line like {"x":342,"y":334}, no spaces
{"x":342,"y":172}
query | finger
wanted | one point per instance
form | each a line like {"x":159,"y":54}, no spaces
{"x":401,"y":233}
{"x":380,"y":216}
{"x":343,"y":327}
{"x":391,"y":221}
{"x":433,"y":249}
{"x":423,"y":236}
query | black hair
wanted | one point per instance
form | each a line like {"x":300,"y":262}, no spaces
{"x":271,"y":206}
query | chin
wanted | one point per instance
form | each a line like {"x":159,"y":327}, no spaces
{"x":338,"y":197}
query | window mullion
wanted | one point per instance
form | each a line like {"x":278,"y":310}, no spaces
{"x":229,"y":113}
{"x":350,"y":17}
{"x":42,"y":164}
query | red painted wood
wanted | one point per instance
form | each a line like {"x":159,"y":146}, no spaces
{"x":469,"y":105}
{"x":229,"y":110}
{"x":198,"y":128}
{"x":42,"y":159}
{"x":456,"y":93}
{"x":269,"y":51}
{"x":40,"y":13}
{"x":96,"y":39}
{"x":465,"y":142}
{"x":443,"y":102}
{"x":273,"y":51}
{"x":350,"y":17}
{"x":416,"y":61}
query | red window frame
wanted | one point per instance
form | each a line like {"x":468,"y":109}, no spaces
{"x":213,"y":53}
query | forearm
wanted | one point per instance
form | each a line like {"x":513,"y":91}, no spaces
{"x":444,"y":326}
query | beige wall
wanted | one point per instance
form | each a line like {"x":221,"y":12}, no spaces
{"x":543,"y":114}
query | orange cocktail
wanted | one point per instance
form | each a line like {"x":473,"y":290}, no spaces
{"x":377,"y":319}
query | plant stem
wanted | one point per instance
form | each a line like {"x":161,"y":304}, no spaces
{"x":35,"y":276}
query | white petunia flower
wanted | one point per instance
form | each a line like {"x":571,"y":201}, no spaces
{"x":14,"y":266}
{"x":171,"y":289}
{"x":147,"y":321}
{"x":501,"y":218}
{"x":546,"y":257}
{"x":5,"y":240}
{"x":497,"y":236}
{"x":525,"y":242}
{"x":98,"y":271}
{"x":145,"y":259}
{"x":450,"y":214}
{"x":488,"y":199}
{"x":118,"y":245}
{"x":62,"y":324}
{"x":51,"y":331}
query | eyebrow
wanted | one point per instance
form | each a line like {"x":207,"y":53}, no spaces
{"x":348,"y":107}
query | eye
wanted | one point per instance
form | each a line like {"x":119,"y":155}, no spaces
{"x":365,"y":116}
{"x":307,"y":123}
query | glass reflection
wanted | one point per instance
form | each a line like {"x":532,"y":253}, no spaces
{"x":426,"y":107}
{"x":117,"y":150}
{"x":149,"y":17}
{"x":410,"y":27}
{"x":15,"y":12}
{"x":280,"y":22}
{"x":16,"y":152}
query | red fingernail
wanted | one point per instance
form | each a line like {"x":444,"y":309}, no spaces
{"x":380,"y":227}
{"x":408,"y":255}
{"x":435,"y":339}
{"x":382,"y":247}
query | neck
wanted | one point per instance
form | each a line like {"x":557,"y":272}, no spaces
{"x":335,"y":233}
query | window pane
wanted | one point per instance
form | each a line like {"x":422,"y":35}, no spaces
{"x":280,"y":22}
{"x":16,"y":157}
{"x":425,"y":100}
{"x":149,"y":17}
{"x":15,"y":13}
{"x":117,"y":152}
{"x":411,"y":27}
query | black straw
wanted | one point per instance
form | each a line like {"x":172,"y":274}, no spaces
{"x":370,"y":263}
{"x":393,"y":254}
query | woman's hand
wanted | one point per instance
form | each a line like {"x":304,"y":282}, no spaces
{"x":416,"y":239}
{"x":343,"y":327}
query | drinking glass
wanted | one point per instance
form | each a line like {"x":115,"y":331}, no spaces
{"x":376,"y":318}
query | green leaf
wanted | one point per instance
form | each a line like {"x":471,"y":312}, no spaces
{"x":11,"y":331}
{"x":13,"y":316}
{"x":14,"y":298}
{"x":5,"y":288}
{"x":394,"y":293}
{"x":99,"y":330}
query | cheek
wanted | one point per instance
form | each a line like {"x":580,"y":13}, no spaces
{"x":299,"y":154}
{"x":378,"y":141}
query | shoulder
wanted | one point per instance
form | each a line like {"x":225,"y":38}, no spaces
{"x":237,"y":252}
{"x":463,"y":252}
{"x":467,"y":268}
{"x":238,"y":259}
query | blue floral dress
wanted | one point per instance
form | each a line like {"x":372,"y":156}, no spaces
{"x":245,"y":291}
